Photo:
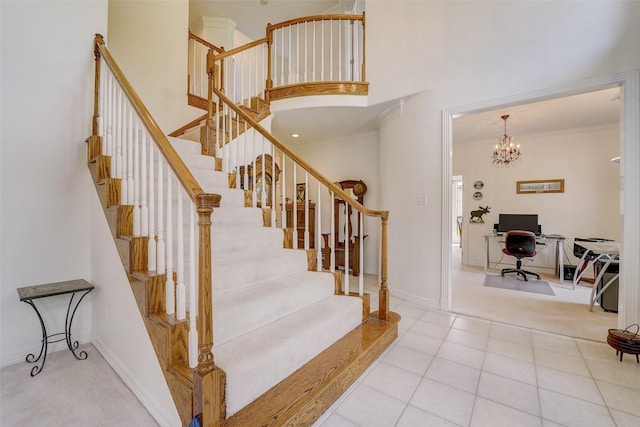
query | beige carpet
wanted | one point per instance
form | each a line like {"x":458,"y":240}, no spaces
{"x":69,"y":393}
{"x":566,"y":313}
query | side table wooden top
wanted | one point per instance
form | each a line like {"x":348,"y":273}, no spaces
{"x":50,"y":289}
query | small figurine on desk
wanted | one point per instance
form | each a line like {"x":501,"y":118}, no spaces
{"x":476,"y":216}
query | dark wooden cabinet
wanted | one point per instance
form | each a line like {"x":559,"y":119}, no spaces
{"x":342,"y":221}
{"x":300,"y":223}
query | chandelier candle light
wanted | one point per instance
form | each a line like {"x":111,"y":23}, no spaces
{"x":505,"y":152}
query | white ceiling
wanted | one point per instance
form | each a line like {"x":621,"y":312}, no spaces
{"x":252,"y":16}
{"x":588,"y":109}
{"x":322,"y":124}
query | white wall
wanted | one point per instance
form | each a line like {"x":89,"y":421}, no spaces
{"x":461,"y":53}
{"x":148,"y":39}
{"x":118,"y":329}
{"x":589,"y":206}
{"x":47,"y":92}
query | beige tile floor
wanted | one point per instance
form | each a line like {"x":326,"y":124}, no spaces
{"x":501,"y":358}
{"x":445,"y":369}
{"x":453,"y":370}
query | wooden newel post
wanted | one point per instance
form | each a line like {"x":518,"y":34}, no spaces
{"x":211,"y":83}
{"x":383,"y":302}
{"x":269,"y":82}
{"x":98,"y":41}
{"x":209,"y":381}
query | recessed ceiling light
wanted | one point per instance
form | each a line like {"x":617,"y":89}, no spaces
{"x":295,"y":135}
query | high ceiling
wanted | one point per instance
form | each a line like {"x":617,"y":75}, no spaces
{"x":322,"y":124}
{"x":588,"y":109}
{"x":252,"y":16}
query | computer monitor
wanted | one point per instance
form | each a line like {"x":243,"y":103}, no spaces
{"x":526,"y":222}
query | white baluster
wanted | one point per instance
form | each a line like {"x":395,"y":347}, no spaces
{"x":361,"y":254}
{"x":124,"y":197}
{"x":144,"y":210}
{"x":152,"y":252}
{"x":273,"y":187}
{"x":161,"y":249}
{"x":129,"y":159}
{"x":306,"y":211}
{"x":289,"y":81}
{"x":181,"y":307}
{"x":281,"y":31}
{"x":294,"y":207}
{"x":331,"y":49}
{"x":306,"y":52}
{"x":322,"y":51}
{"x":136,"y":179}
{"x":318,"y":230}
{"x":283,"y":193}
{"x":313,"y":72}
{"x":347,"y":249}
{"x":107,"y":112}
{"x":118,"y":158}
{"x":332,"y":236}
{"x":101,"y":104}
{"x":170,"y":283}
{"x":340,"y":50}
{"x":112,"y":122}
{"x":297,"y":52}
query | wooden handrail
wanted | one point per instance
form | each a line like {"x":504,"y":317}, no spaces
{"x":204,"y":42}
{"x":306,"y":166}
{"x":193,"y":123}
{"x":234,"y":51}
{"x":181,"y":171}
{"x":208,"y":396}
{"x":337,"y":17}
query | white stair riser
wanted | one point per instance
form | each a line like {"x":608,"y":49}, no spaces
{"x":256,"y":361}
{"x":236,"y":216}
{"x":236,"y":313}
{"x":234,"y":272}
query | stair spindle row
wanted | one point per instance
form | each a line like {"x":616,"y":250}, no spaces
{"x":160,"y":207}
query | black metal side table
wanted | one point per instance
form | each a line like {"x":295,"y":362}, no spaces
{"x":73,"y":287}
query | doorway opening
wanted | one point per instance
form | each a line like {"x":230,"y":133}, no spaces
{"x":628,"y":312}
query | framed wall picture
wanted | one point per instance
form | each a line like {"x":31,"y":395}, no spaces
{"x":301,"y":192}
{"x":540,"y":186}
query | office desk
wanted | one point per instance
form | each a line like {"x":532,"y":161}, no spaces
{"x":607,"y":252}
{"x":559,"y":257}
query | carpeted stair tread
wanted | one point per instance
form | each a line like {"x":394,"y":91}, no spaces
{"x":258,"y":360}
{"x":231,"y":272}
{"x":210,"y":178}
{"x":230,"y":197}
{"x":238,"y":312}
{"x":197,"y":161}
{"x":182,"y":145}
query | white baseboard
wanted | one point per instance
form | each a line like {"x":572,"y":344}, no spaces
{"x":431,"y":304}
{"x":163,"y":418}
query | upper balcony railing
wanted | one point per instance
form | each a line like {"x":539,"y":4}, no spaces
{"x":323,"y":54}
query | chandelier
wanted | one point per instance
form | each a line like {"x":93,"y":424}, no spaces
{"x":506,"y":152}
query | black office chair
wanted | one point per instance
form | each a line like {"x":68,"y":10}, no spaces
{"x":520,"y":244}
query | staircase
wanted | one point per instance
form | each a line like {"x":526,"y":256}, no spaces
{"x":286,"y":340}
